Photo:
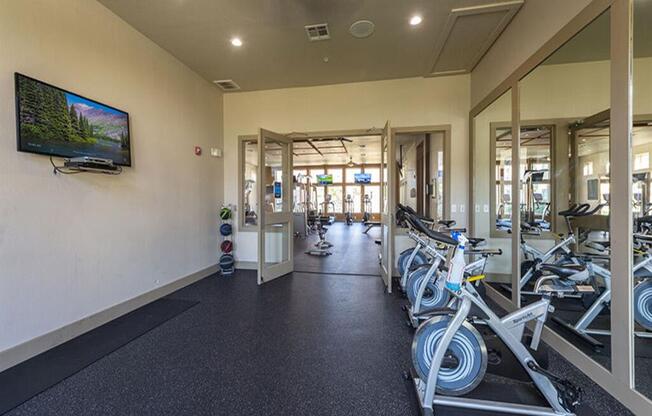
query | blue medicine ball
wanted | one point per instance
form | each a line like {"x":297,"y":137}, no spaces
{"x":226,"y":261}
{"x":226,"y":229}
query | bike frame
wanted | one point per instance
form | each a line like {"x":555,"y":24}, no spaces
{"x":510,"y":330}
{"x":563,"y":245}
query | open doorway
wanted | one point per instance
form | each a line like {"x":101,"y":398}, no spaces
{"x":420,"y":170}
{"x":421,"y":177}
{"x":337,"y":204}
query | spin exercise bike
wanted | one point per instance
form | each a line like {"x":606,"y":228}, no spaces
{"x":450,"y":356}
{"x":425,"y":285}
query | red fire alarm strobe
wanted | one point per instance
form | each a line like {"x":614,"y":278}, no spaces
{"x":197,"y":151}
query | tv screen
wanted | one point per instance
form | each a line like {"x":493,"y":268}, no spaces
{"x":56,"y":122}
{"x":325,"y":179}
{"x":362,"y":177}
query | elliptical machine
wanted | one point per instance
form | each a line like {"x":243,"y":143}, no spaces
{"x":366,"y":208}
{"x":348,"y":209}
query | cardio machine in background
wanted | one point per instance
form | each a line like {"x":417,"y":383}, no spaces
{"x":348,"y":209}
{"x":366,"y":208}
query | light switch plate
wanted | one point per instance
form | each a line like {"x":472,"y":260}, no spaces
{"x":215,"y":152}
{"x":453,"y":208}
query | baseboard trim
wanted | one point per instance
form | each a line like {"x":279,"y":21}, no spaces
{"x":246,"y":265}
{"x":21,"y":352}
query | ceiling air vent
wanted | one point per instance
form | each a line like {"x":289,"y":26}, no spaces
{"x":227,"y":85}
{"x":318,"y":32}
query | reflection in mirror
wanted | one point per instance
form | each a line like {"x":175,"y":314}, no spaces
{"x":564,"y":187}
{"x":420,"y":172}
{"x":250,"y":157}
{"x":492,"y":204}
{"x":274,"y":182}
{"x":503,"y":177}
{"x":641,"y":195}
{"x":534,"y":171}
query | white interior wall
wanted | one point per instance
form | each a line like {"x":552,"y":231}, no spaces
{"x":405,"y":102}
{"x":71,"y":246}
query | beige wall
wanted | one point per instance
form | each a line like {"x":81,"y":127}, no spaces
{"x":71,"y":246}
{"x":534,"y":25}
{"x":405,"y":102}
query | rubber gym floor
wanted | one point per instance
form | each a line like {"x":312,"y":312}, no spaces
{"x":304,"y":344}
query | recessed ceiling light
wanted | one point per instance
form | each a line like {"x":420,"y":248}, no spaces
{"x":415,"y":20}
{"x":236,"y":42}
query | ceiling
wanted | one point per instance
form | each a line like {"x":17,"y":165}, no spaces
{"x":336,"y":151}
{"x":276,"y":52}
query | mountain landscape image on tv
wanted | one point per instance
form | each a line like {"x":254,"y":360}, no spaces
{"x":56,"y":122}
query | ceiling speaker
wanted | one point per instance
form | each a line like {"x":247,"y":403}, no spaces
{"x":362,"y":29}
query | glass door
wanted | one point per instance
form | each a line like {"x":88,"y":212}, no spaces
{"x":275,"y":255}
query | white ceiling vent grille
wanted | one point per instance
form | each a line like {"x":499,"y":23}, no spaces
{"x":227,"y":85}
{"x":318,"y":32}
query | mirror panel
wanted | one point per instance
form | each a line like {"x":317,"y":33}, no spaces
{"x":492,"y":188}
{"x":641,"y":195}
{"x":564,"y":162}
{"x":249,"y":152}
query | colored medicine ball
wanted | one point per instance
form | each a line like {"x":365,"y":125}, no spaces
{"x":226,"y":246}
{"x":226,"y":261}
{"x":225,"y":213}
{"x":226,"y":229}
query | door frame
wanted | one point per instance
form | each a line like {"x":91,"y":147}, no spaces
{"x":446,"y":129}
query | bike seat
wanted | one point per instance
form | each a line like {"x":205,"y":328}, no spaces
{"x":647,"y":219}
{"x":475,"y":241}
{"x":574,"y":272}
{"x":642,"y":273}
{"x":446,"y":223}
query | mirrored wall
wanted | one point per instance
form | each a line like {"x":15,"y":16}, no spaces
{"x":564,"y":185}
{"x":641,"y":197}
{"x":492,"y":202}
{"x":579,"y":189}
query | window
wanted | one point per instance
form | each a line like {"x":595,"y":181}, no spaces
{"x":592,"y":189}
{"x":337,"y":174}
{"x":642,"y":161}
{"x":350,"y":174}
{"x":336,"y":198}
{"x":587,"y":168}
{"x":356,"y":194}
{"x":302,"y":172}
{"x":375,"y":175}
{"x":319,"y":198}
{"x":314,"y":173}
{"x":374,"y":195}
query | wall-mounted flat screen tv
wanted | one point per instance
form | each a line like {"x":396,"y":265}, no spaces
{"x":362,"y":177}
{"x":56,"y":122}
{"x":325,"y":179}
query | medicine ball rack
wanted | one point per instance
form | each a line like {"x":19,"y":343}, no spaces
{"x":227,"y":260}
